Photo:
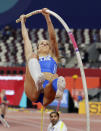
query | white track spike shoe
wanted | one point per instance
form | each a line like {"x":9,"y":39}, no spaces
{"x":61,"y":86}
{"x":40,"y":80}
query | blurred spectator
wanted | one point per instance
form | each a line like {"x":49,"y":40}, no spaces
{"x":80,"y":98}
{"x":3,"y":105}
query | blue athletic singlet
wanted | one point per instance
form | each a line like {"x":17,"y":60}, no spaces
{"x":48,"y":64}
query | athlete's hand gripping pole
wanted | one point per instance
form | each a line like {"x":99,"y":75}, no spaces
{"x":30,"y":14}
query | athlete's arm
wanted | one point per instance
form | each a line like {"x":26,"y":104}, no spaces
{"x":27,"y":42}
{"x":52,"y":35}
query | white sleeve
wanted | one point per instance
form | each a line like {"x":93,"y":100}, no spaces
{"x":64,"y":128}
{"x":48,"y":129}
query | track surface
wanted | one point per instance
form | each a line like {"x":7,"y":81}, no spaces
{"x":30,"y":120}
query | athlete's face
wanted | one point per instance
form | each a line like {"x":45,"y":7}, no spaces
{"x":54,"y":118}
{"x":43,"y":46}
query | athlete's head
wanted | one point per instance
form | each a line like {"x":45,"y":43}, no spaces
{"x":54,"y":117}
{"x":43,"y":46}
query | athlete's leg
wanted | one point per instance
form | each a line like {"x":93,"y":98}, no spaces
{"x":35,"y":71}
{"x":30,"y":87}
{"x":54,"y":90}
{"x":58,"y":85}
{"x":60,"y":88}
{"x":49,"y":94}
{"x":3,"y":110}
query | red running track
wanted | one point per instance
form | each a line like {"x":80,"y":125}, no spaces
{"x":27,"y":120}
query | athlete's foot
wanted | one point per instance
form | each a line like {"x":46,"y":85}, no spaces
{"x":61,"y":86}
{"x":40,"y":81}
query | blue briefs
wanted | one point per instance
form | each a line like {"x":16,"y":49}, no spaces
{"x":54,"y":86}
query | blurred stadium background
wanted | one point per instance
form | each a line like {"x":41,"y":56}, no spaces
{"x":84,"y":19}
